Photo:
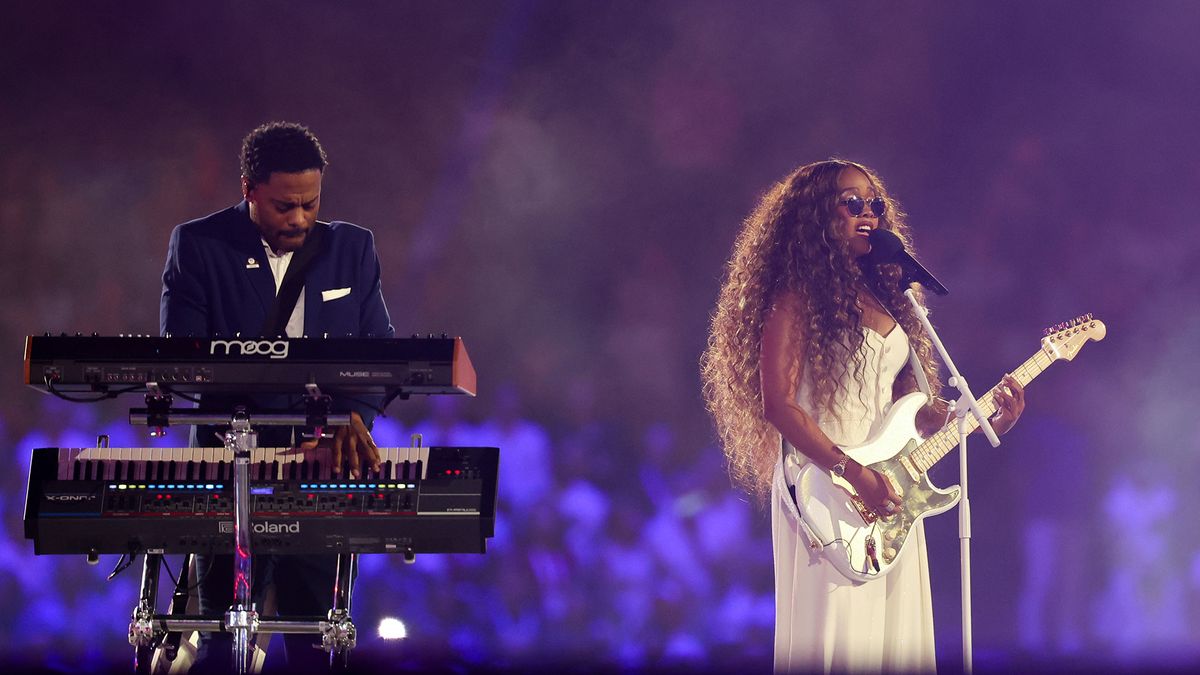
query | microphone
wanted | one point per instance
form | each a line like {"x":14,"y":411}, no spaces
{"x":886,"y":248}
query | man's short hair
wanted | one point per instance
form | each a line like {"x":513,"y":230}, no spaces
{"x":280,"y":146}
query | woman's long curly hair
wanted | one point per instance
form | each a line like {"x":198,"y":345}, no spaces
{"x":790,"y":245}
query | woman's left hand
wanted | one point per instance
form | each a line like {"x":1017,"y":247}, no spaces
{"x":1010,"y":401}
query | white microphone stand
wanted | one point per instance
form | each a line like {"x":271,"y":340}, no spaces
{"x":965,"y":403}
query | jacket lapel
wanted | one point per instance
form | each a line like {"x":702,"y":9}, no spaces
{"x":317,"y":278}
{"x":257,"y":274}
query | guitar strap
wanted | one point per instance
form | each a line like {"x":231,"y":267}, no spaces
{"x":293,"y":282}
{"x":919,"y":372}
{"x":791,"y":470}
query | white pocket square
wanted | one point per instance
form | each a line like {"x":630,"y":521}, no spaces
{"x":334,"y":294}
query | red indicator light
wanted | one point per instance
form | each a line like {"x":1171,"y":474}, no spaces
{"x":310,"y":496}
{"x":457,"y":471}
{"x":168,"y":496}
{"x":349,"y":498}
{"x":158,"y":496}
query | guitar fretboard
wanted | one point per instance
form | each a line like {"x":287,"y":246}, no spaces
{"x":941,"y":443}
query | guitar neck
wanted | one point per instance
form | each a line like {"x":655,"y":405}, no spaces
{"x":941,"y":443}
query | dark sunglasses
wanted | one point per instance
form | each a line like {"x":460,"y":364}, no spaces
{"x":855,"y":205}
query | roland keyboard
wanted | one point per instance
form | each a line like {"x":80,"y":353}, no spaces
{"x":180,"y":500}
{"x":351,"y":366}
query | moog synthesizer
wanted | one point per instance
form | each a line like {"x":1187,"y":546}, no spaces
{"x":345,"y":365}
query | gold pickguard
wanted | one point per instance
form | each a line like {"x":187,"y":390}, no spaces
{"x":918,"y":498}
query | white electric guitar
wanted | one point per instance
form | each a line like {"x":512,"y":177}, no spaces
{"x":858,"y":543}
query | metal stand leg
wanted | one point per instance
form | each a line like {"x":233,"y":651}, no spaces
{"x":141,"y":624}
{"x":242,"y":618}
{"x":179,"y":602}
{"x":338,"y":634}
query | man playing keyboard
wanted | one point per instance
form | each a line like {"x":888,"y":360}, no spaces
{"x":223,"y":277}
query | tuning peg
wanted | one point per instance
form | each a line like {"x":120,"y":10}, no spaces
{"x":1089,"y":316}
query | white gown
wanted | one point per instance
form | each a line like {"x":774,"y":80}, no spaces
{"x":823,"y":621}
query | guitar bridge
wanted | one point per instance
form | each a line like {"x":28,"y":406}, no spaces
{"x":866,"y":514}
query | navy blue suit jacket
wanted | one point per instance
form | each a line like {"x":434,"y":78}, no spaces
{"x":217,"y":281}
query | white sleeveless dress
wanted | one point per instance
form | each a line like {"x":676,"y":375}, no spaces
{"x":823,"y":621}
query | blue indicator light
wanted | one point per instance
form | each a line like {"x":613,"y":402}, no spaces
{"x":208,"y":486}
{"x":324,"y":485}
{"x":267,"y":490}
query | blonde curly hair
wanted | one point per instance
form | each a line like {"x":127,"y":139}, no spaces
{"x":789,"y":246}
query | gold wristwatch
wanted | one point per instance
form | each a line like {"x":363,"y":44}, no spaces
{"x":839,"y":469}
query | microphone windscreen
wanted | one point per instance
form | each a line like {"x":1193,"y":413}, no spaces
{"x":885,"y":246}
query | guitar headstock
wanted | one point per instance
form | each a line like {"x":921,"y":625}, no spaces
{"x":1066,"y":339}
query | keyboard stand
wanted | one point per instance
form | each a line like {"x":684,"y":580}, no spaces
{"x":147,"y":630}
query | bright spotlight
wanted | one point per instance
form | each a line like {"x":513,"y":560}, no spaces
{"x":392,"y":629}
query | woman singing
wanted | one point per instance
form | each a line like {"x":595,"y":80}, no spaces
{"x":809,"y":346}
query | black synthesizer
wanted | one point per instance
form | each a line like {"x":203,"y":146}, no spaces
{"x":352,"y":366}
{"x":180,"y":500}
